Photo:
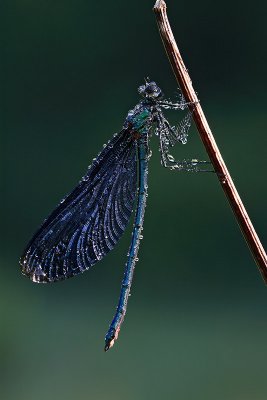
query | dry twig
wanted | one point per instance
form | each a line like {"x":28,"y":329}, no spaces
{"x":208,"y":140}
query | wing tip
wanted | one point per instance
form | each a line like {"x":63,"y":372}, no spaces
{"x":37,"y":275}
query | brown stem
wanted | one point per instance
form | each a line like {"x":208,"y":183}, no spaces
{"x":208,"y":140}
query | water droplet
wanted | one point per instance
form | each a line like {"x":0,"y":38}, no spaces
{"x":170,"y":158}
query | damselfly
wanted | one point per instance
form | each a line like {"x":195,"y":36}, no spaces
{"x":88,"y":223}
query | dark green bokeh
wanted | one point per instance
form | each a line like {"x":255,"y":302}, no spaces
{"x":196,"y":324}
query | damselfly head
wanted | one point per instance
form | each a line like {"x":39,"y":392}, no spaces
{"x":150,"y":91}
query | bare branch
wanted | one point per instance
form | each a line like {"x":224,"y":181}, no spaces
{"x":208,"y":140}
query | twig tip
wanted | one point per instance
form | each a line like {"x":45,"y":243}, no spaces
{"x":160,"y":4}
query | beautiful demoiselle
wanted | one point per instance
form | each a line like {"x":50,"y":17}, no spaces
{"x":88,"y":223}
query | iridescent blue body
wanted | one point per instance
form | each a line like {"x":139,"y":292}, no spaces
{"x":140,"y":125}
{"x":88,"y":223}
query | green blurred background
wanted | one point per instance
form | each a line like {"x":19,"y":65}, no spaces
{"x":197,"y":322}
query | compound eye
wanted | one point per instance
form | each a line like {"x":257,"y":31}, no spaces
{"x":154,"y":90}
{"x":151,"y":88}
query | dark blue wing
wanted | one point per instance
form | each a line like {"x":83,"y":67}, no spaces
{"x":88,"y":223}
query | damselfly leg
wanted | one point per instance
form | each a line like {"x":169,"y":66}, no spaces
{"x":170,"y":135}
